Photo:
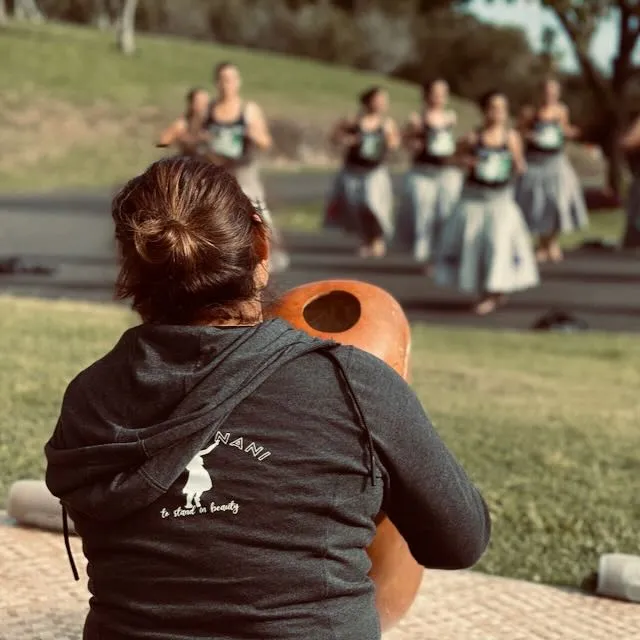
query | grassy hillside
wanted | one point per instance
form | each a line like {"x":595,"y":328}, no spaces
{"x":75,"y":112}
{"x":555,"y":450}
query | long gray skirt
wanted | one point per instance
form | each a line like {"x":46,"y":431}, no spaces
{"x":361,"y":202}
{"x":631,"y":239}
{"x":430,"y":195}
{"x":550,"y":195}
{"x":248,"y":177}
{"x":485,"y":245}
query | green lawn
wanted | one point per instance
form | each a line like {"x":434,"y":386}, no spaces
{"x":606,"y":225}
{"x":546,"y":424}
{"x":75,"y":112}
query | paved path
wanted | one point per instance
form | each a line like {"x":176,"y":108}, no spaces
{"x":74,"y":233}
{"x":39,"y":600}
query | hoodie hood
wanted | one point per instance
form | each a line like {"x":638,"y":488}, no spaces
{"x":131,"y":422}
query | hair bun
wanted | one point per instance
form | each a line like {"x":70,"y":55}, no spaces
{"x":158,"y":241}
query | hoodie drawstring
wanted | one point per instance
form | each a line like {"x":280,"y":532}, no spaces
{"x":361,"y":421}
{"x":67,"y":542}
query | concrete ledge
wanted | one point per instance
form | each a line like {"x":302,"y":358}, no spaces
{"x":41,"y":600}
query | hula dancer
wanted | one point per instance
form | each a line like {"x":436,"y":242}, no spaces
{"x":433,"y":184}
{"x":183,"y":131}
{"x":362,"y":198}
{"x":485,"y":247}
{"x":631,"y":145}
{"x":234,"y":131}
{"x":549,"y":193}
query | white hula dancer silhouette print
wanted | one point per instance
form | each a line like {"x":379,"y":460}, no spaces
{"x":199,"y":479}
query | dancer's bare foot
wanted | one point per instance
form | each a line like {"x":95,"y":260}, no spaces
{"x":378,"y":248}
{"x":486,"y":305}
{"x":555,"y":253}
{"x":542,"y":255}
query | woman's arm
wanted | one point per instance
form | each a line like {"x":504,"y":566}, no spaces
{"x":463,"y":156}
{"x":631,"y":139}
{"x":257,"y":127}
{"x":571,"y":132}
{"x":172,"y":133}
{"x":411,"y":138}
{"x":340,"y":134}
{"x":392,"y":134}
{"x":516,"y":148}
{"x":525,"y":121}
{"x":429,"y":497}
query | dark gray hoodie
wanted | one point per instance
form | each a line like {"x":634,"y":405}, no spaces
{"x":225,"y":482}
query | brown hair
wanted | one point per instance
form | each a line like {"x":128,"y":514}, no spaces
{"x":191,"y":94}
{"x":428,"y":85}
{"x":221,"y":66}
{"x":367,"y":96}
{"x":190,"y":241}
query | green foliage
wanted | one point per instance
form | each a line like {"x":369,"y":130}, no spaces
{"x":475,"y":57}
{"x":545,"y":424}
{"x":579,"y":19}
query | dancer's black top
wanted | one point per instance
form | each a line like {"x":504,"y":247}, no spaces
{"x":439,"y":145}
{"x":264,"y":534}
{"x":494,"y":164}
{"x":229,"y":140}
{"x":370,"y":151}
{"x":547,"y":136}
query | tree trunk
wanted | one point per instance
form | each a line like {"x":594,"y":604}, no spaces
{"x":615,"y":170}
{"x":616,"y":161}
{"x":27,"y":10}
{"x":100,"y":15}
{"x":3,"y":12}
{"x":127,"y":27}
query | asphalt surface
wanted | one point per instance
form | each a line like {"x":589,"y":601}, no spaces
{"x":72,"y":232}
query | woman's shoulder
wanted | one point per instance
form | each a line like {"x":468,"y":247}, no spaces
{"x":91,"y":379}
{"x":372,"y":372}
{"x":362,"y":368}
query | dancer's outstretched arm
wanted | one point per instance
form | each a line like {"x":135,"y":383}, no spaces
{"x":631,"y":139}
{"x":392,"y":134}
{"x":172,"y":133}
{"x":463,"y":156}
{"x":257,"y":127}
{"x":411,"y":137}
{"x":340,"y":134}
{"x":570,"y":131}
{"x":517,"y":151}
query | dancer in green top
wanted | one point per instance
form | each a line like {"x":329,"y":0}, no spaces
{"x":235,"y":131}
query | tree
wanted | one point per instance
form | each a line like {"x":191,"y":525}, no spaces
{"x":579,"y":19}
{"x":3,"y":12}
{"x":27,"y":10}
{"x":127,"y":27}
{"x":101,"y":14}
{"x":417,"y":7}
{"x":473,"y":56}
